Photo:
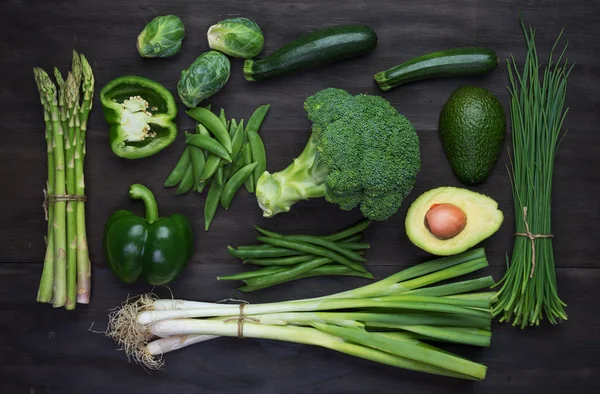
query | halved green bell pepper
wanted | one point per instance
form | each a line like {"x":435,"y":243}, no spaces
{"x":156,"y":248}
{"x":140,"y":113}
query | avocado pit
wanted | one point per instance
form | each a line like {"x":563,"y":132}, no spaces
{"x":445,"y":221}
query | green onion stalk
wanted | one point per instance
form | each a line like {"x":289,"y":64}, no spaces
{"x":529,"y":288}
{"x":63,"y":115}
{"x":390,"y":321}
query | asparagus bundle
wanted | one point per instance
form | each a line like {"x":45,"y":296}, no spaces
{"x":386,"y":322}
{"x":284,"y":258}
{"x":66,"y":273}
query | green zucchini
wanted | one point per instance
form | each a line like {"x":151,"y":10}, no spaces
{"x":315,"y":49}
{"x":455,"y":62}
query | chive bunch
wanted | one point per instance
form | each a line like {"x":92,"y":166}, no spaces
{"x":284,"y":258}
{"x":234,"y":157}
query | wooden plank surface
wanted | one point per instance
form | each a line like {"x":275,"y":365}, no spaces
{"x":51,"y":351}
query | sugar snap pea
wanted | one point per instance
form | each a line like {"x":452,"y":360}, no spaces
{"x":231,"y":127}
{"x":187,"y":182}
{"x":313,"y":249}
{"x":234,"y":183}
{"x":200,"y":129}
{"x":210,"y":167}
{"x":253,"y":274}
{"x":213,"y":124}
{"x":178,"y":171}
{"x":210,"y":144}
{"x":257,"y":118}
{"x":247,"y":152}
{"x":259,"y":154}
{"x":222,"y":117}
{"x":212,"y":203}
{"x":237,"y":140}
{"x":219,"y":178}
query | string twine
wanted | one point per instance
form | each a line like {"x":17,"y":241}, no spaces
{"x":532,"y":238}
{"x":53,"y":198}
{"x":241,"y":319}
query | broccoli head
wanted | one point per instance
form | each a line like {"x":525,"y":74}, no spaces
{"x":362,"y":153}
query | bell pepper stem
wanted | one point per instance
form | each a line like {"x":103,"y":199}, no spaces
{"x":140,"y":192}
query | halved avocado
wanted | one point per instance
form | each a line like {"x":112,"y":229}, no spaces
{"x":483,"y":218}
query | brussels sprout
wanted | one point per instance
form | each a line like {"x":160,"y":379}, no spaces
{"x":237,"y":37}
{"x":205,"y":77}
{"x":162,"y":37}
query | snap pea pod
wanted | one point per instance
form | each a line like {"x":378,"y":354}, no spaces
{"x":237,"y":140}
{"x":212,"y":203}
{"x":210,"y":144}
{"x":313,"y":249}
{"x":238,"y":163}
{"x":274,"y":252}
{"x":213,"y":124}
{"x":232,"y":127}
{"x":328,"y":269}
{"x":178,"y":171}
{"x":234,"y":183}
{"x":281,"y":261}
{"x":219,"y":176}
{"x":210,"y":167}
{"x":222,"y":117}
{"x":197,"y":162}
{"x":313,"y":240}
{"x":187,"y":182}
{"x":259,"y":154}
{"x":257,"y":118}
{"x":200,"y":129}
{"x":253,"y":274}
{"x":250,"y":181}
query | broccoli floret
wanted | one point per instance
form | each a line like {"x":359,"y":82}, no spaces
{"x":362,"y":153}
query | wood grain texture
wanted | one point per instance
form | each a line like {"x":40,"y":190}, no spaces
{"x":51,"y":351}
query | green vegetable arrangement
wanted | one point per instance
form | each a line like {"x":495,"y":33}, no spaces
{"x":362,"y":153}
{"x":140,"y":113}
{"x":153,"y":247}
{"x":389,"y":322}
{"x":235,"y":156}
{"x":237,"y":37}
{"x":161,"y":37}
{"x":203,"y":78}
{"x":290,"y":257}
{"x":66,"y":276}
{"x":538,"y":94}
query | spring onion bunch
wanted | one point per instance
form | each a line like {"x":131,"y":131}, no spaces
{"x":529,"y":289}
{"x":390,"y":321}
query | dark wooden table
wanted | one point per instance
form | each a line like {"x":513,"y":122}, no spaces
{"x":43,"y":350}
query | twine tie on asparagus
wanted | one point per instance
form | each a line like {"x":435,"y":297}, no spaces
{"x":241,"y":319}
{"x":52,"y":198}
{"x":532,"y":238}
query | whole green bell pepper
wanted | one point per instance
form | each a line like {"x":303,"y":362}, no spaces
{"x":140,"y":113}
{"x":156,"y":248}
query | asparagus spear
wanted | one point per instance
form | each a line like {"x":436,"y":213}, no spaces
{"x":45,"y":288}
{"x":59,"y":219}
{"x":83,"y":260}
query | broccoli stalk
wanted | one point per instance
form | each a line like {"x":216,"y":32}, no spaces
{"x":361,"y":153}
{"x":301,"y":180}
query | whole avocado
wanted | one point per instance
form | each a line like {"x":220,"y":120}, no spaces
{"x":472,"y":129}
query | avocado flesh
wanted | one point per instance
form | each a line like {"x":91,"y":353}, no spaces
{"x":472,"y":129}
{"x":483,"y":219}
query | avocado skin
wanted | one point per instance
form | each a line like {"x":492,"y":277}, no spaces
{"x":472,"y":129}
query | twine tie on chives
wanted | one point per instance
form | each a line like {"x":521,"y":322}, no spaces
{"x":532,"y":238}
{"x":53,"y":198}
{"x":241,"y":319}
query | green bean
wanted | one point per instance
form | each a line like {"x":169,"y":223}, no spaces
{"x":281,"y":260}
{"x":222,"y":117}
{"x":210,"y":144}
{"x":257,"y":118}
{"x":179,"y":170}
{"x":187,"y":182}
{"x":313,"y":249}
{"x":234,"y":183}
{"x":254,"y":247}
{"x":213,"y":124}
{"x":354,"y":245}
{"x":210,"y":167}
{"x":247,"y":152}
{"x":253,"y":274}
{"x":260,"y":253}
{"x":259,"y":154}
{"x":237,"y":140}
{"x":212,"y":203}
{"x":289,"y":273}
{"x":354,"y":238}
{"x":357,"y":228}
{"x":313,"y":240}
{"x":268,"y":233}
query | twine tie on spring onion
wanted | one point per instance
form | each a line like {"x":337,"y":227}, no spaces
{"x":240,"y":319}
{"x":532,"y":238}
{"x":53,"y":198}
